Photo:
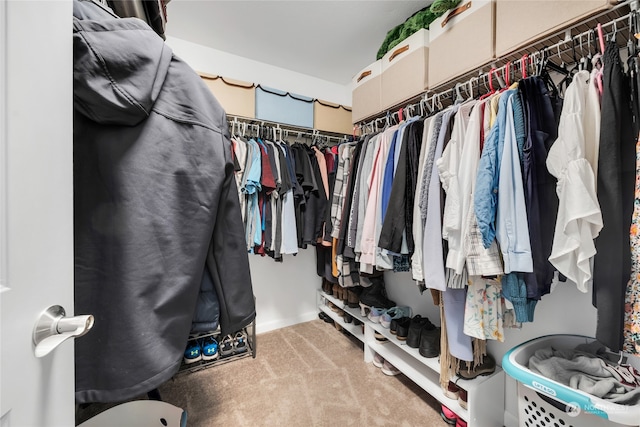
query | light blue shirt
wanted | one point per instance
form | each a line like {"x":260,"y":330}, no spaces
{"x":485,"y":198}
{"x":512,"y":228}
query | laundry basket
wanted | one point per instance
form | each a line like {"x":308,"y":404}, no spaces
{"x":543,"y":402}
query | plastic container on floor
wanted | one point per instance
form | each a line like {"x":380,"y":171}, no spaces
{"x":543,"y":402}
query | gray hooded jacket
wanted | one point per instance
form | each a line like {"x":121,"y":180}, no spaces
{"x":155,"y":200}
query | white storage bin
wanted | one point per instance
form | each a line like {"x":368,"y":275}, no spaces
{"x":405,"y":69}
{"x":570,"y":407}
{"x":461,"y":41}
{"x":367,"y":92}
{"x":522,"y":22}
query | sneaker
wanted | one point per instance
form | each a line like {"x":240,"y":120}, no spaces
{"x":380,"y":338}
{"x":240,"y":342}
{"x":193,"y":352}
{"x":389,"y":369}
{"x":448,"y":415}
{"x":210,"y":349}
{"x":377,"y":360}
{"x":452,"y":391}
{"x":462,"y":398}
{"x":226,"y":346}
{"x":376,"y":313}
{"x":394,"y":313}
{"x":461,"y":423}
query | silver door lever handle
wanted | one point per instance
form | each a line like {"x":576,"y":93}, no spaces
{"x":53,"y":328}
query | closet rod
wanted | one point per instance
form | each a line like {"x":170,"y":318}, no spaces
{"x":532,"y":53}
{"x":283,"y":130}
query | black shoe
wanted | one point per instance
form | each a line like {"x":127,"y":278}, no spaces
{"x":429,"y":342}
{"x":324,"y":316}
{"x":347,"y":317}
{"x":393,"y":328}
{"x":487,"y":367}
{"x":418,"y":323}
{"x":375,"y":295}
{"x":402,"y":330}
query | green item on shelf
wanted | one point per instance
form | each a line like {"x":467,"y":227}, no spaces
{"x":440,"y":7}
{"x":419,"y":20}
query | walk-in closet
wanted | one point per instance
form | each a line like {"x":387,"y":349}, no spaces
{"x":311,"y":213}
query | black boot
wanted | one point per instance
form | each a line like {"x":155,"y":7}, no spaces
{"x":375,"y":295}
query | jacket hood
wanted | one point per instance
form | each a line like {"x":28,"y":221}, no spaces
{"x":119,"y":67}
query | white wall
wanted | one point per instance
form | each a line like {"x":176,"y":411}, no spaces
{"x":212,"y":61}
{"x":285,"y":292}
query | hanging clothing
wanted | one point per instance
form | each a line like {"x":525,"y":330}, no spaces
{"x":483,"y":313}
{"x":456,"y":203}
{"x":418,"y":223}
{"x":147,"y":216}
{"x":371,"y":256}
{"x":539,"y":184}
{"x":366,"y":171}
{"x":395,"y":223}
{"x":485,"y":198}
{"x":579,"y":218}
{"x":454,"y":301}
{"x":433,"y":252}
{"x":478,"y":260}
{"x":615,"y":186}
{"x":632,"y":296}
{"x":354,"y":213}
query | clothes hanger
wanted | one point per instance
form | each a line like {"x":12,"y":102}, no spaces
{"x":490,"y":82}
{"x":566,"y":81}
{"x":524,"y":65}
{"x":459,"y":98}
{"x":506,"y":77}
{"x":542,"y":71}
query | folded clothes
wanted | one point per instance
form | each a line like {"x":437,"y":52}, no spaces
{"x":587,"y":369}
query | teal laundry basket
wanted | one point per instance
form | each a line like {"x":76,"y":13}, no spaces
{"x":543,"y":402}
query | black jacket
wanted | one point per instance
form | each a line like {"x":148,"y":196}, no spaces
{"x":154,"y":200}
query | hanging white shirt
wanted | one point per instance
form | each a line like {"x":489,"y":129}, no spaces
{"x":579,"y":218}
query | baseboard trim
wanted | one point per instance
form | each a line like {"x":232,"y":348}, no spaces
{"x":272,"y":325}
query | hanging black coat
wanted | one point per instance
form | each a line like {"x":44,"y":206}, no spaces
{"x":154,"y":200}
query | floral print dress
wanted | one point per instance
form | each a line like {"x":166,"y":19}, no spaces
{"x":632,"y":299}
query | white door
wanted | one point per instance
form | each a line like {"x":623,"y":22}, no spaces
{"x":36,"y":208}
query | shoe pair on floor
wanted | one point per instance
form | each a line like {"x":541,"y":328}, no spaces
{"x":386,"y":367}
{"x":451,"y":417}
{"x":208,"y":348}
{"x":201,"y":349}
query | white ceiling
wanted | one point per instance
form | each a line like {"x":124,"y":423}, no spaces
{"x":331,"y":40}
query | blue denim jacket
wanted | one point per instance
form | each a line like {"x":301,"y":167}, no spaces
{"x":485,"y":198}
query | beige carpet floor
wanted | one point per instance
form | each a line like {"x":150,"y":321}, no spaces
{"x":304,"y":375}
